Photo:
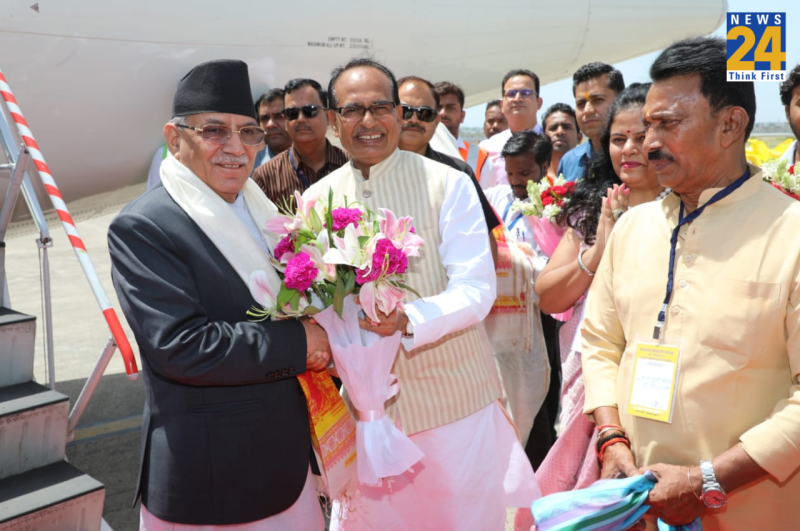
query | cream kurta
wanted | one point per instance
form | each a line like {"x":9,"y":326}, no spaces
{"x":735,"y":306}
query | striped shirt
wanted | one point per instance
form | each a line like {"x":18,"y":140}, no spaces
{"x":448,"y":371}
{"x":282,"y":175}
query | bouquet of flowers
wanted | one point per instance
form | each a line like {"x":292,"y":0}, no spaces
{"x":327,"y":253}
{"x":546,"y":200}
{"x":781,"y":175}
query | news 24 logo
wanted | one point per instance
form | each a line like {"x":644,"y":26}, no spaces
{"x":756,"y":46}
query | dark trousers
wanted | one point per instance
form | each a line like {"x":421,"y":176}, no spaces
{"x":543,"y":432}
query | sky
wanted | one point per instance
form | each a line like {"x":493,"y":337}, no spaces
{"x":768,"y":104}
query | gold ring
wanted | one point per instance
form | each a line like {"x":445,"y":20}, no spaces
{"x":617,"y":213}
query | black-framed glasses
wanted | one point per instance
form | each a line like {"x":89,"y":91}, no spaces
{"x":525,"y":93}
{"x":309,"y":111}
{"x":425,"y":114}
{"x":221,"y":134}
{"x":355,"y":112}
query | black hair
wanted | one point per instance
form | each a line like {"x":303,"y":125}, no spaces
{"x":788,"y":86}
{"x":529,"y":142}
{"x":519,"y":72}
{"x":594,"y":70}
{"x":493,"y":103}
{"x":406,"y":79}
{"x":707,"y":57}
{"x":559,"y":107}
{"x":355,"y":63}
{"x":444,"y":88}
{"x":301,"y":82}
{"x":268,"y":97}
{"x":582,"y":213}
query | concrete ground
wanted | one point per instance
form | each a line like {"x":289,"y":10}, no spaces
{"x":107,"y":441}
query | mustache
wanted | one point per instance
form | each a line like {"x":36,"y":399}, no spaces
{"x":230,"y":160}
{"x":302,"y":127}
{"x":413,"y":127}
{"x":660,"y":155}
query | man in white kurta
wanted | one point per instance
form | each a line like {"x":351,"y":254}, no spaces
{"x":474,"y":466}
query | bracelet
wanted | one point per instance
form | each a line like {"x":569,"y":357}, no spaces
{"x":606,"y":430}
{"x":583,"y":266}
{"x":689,"y":479}
{"x":611,"y":442}
{"x":620,"y":428}
{"x":601,"y":442}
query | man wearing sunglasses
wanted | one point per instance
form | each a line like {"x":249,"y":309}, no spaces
{"x":447,"y":403}
{"x":311,"y":156}
{"x":419,"y":101}
{"x":520,"y":103}
{"x":219,"y":387}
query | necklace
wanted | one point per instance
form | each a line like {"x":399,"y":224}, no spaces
{"x":664,"y":193}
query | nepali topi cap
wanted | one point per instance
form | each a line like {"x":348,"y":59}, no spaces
{"x":222,"y":85}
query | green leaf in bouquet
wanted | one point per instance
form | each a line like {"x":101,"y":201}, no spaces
{"x":362,"y":241}
{"x":285,"y":295}
{"x":329,"y":216}
{"x":338,"y":296}
{"x":350,"y":281}
{"x":294,"y":302}
{"x":311,"y":310}
{"x":316,"y":222}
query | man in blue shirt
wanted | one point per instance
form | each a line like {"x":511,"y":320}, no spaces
{"x":595,"y":87}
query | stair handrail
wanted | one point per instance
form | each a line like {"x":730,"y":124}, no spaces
{"x":68,"y":224}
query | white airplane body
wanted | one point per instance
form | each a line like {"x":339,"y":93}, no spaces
{"x":95,"y":78}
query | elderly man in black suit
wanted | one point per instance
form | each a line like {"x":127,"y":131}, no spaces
{"x":225,"y":438}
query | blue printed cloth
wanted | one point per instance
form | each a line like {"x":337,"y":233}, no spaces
{"x":608,"y":505}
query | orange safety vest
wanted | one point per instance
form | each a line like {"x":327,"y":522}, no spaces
{"x":482,"y":156}
{"x":464,"y":151}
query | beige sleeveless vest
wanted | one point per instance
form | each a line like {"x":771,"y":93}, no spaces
{"x":450,"y":379}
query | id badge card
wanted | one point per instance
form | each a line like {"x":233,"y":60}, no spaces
{"x":656,"y":368}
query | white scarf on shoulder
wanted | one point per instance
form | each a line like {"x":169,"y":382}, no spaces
{"x":217,"y":220}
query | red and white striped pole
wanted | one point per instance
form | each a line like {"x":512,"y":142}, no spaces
{"x":72,"y":232}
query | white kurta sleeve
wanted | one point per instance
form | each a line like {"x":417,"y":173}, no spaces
{"x":467,"y":257}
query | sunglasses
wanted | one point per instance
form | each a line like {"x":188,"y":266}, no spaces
{"x":221,"y":134}
{"x":525,"y":93}
{"x":425,"y":114}
{"x":309,"y":111}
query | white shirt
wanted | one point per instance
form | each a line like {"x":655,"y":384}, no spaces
{"x":494,"y":146}
{"x":516,"y":226}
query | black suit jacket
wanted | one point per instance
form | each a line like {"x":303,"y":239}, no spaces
{"x":225,"y":434}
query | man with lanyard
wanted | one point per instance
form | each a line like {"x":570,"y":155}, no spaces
{"x":790,"y":97}
{"x":520,"y":103}
{"x":418,"y":101}
{"x":219,"y":386}
{"x":474,"y":466}
{"x":311,"y":156}
{"x":595,"y":87}
{"x":700,"y":385}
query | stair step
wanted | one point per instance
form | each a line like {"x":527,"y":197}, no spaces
{"x":17,"y":336}
{"x":33,"y":427}
{"x":57,"y":497}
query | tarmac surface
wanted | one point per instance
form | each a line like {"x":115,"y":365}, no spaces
{"x":107,"y":440}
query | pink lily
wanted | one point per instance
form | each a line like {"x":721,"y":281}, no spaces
{"x":316,"y":250}
{"x":380,"y":294}
{"x":348,"y":250}
{"x":261,"y":290}
{"x":302,"y":219}
{"x":399,"y":230}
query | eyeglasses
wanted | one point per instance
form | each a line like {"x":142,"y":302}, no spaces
{"x":221,"y":134}
{"x":525,"y":93}
{"x":355,"y":113}
{"x":425,"y":114}
{"x":309,"y":111}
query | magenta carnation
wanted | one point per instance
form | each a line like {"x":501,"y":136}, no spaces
{"x":342,"y":217}
{"x":286,"y":245}
{"x":300,"y":272}
{"x":387,"y":259}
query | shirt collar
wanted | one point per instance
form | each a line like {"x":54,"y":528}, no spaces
{"x":299,"y":161}
{"x":380,"y":169}
{"x":672,"y":202}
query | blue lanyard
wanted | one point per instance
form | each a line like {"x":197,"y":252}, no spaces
{"x":725,"y":192}
{"x":299,"y":171}
{"x":516,"y":219}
